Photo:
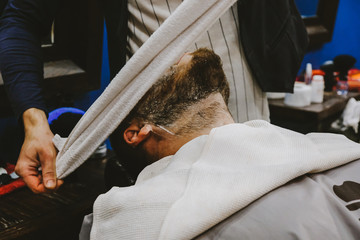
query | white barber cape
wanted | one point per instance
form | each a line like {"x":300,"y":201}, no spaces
{"x":212,"y":177}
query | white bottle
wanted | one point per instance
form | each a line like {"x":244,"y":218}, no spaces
{"x":317,"y":89}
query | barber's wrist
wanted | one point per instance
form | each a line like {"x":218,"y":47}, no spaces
{"x":33,"y":118}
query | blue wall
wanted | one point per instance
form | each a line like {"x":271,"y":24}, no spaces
{"x":346,"y":36}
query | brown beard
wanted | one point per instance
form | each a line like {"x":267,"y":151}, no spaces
{"x":182,"y":87}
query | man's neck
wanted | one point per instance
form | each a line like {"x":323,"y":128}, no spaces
{"x":172,"y":143}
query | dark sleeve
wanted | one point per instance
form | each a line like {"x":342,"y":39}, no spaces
{"x":274,"y":39}
{"x":116,"y":18}
{"x":22,"y":25}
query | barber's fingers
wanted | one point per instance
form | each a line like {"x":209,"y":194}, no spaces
{"x":27,"y":168}
{"x":47,"y":158}
{"x":33,"y":178}
{"x":33,"y":155}
{"x":35,"y":183}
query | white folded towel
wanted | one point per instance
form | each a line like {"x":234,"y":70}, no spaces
{"x":163,"y":48}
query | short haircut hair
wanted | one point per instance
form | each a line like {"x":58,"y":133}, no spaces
{"x":180,"y":88}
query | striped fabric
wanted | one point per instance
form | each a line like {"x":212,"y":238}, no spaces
{"x":247,"y":101}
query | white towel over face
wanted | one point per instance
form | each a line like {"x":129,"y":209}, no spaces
{"x":162,"y":49}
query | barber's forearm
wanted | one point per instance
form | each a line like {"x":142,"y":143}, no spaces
{"x":21,"y":69}
{"x":22,"y":24}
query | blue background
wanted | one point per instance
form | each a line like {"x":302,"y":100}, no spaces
{"x":346,"y":35}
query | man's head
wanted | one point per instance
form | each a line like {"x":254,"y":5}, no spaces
{"x":188,"y":101}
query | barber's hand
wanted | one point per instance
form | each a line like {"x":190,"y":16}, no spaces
{"x":37,"y":150}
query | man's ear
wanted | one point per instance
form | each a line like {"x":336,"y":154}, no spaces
{"x":134,"y":134}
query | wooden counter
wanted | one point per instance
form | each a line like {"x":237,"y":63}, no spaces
{"x":59,"y":215}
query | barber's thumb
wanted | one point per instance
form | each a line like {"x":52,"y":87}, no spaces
{"x":49,"y":176}
{"x":50,"y":184}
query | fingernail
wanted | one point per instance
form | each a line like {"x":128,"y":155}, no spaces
{"x":50,"y":184}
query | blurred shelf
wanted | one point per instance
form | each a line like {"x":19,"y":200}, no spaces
{"x":313,"y":118}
